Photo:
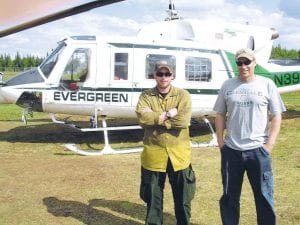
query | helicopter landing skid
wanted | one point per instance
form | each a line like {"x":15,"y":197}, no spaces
{"x":213,"y":142}
{"x":107,"y":150}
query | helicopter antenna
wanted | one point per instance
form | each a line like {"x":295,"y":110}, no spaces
{"x":172,"y":13}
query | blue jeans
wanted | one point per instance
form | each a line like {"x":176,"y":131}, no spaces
{"x":257,"y":163}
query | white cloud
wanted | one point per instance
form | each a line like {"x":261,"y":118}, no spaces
{"x":125,"y":18}
{"x":289,"y":31}
{"x":203,"y":4}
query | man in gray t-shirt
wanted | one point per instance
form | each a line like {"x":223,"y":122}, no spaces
{"x":244,"y":104}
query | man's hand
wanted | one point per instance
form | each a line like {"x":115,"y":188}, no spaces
{"x":268,"y":147}
{"x":220,"y":144}
{"x":172,"y":113}
{"x":162,"y":118}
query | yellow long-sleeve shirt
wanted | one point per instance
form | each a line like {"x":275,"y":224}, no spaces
{"x":170,"y":139}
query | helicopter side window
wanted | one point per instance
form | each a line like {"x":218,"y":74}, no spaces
{"x":76,"y":70}
{"x":121,"y":66}
{"x":151,"y":59}
{"x":197,"y":69}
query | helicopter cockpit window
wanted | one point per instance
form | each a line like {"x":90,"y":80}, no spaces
{"x":121,"y":66}
{"x":76,"y":70}
{"x":151,"y":59}
{"x":49,"y":63}
{"x":197,"y":69}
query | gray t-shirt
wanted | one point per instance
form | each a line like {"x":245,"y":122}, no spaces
{"x":247,"y":105}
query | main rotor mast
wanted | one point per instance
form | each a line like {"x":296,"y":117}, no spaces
{"x":172,"y":12}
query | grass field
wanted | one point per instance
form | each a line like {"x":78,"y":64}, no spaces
{"x":43,"y":183}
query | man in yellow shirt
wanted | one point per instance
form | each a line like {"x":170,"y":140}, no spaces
{"x":165,"y":112}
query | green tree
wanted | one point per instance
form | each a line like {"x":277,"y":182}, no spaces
{"x":17,"y":62}
{"x":279,"y":52}
{"x":8,"y":62}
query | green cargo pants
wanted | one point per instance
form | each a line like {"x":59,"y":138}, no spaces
{"x":183,"y":184}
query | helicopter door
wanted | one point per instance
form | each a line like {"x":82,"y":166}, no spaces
{"x":76,"y":70}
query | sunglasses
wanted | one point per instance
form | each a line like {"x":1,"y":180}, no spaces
{"x":246,"y":62}
{"x":161,"y":74}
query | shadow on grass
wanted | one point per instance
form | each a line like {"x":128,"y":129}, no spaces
{"x":101,"y":211}
{"x":41,"y":120}
{"x":55,"y":133}
{"x":291,"y":114}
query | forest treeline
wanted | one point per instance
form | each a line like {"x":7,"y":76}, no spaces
{"x":281,"y":53}
{"x":19,"y":63}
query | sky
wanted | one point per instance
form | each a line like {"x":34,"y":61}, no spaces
{"x":127,"y":17}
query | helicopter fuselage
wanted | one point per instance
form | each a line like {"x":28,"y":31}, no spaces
{"x":91,"y":75}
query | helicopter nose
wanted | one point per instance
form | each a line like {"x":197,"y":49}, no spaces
{"x":5,"y":95}
{"x":3,"y":99}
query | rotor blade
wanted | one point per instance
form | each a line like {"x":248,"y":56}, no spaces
{"x":56,"y":16}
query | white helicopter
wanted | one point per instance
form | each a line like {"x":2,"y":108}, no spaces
{"x":103,"y":77}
